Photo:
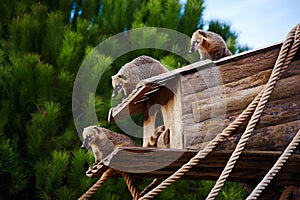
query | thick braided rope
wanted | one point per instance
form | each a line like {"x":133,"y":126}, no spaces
{"x":153,"y":184}
{"x":275,"y":169}
{"x":131,"y":187}
{"x":88,"y":194}
{"x":208,"y":148}
{"x":286,"y":192}
{"x":276,"y":73}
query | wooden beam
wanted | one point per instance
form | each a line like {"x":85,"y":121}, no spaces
{"x":251,"y":166}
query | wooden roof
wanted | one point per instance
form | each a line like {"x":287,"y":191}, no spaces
{"x":134,"y":103}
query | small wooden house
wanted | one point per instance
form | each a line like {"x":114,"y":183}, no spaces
{"x":197,"y":102}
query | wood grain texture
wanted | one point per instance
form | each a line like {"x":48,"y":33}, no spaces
{"x":251,"y":166}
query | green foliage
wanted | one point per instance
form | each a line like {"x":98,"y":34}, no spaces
{"x":14,"y":180}
{"x":53,"y":36}
{"x":41,"y":51}
{"x":191,"y":20}
{"x":170,"y":62}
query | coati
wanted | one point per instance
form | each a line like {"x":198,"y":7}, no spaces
{"x":209,"y":44}
{"x":103,"y":141}
{"x":133,"y":72}
{"x":157,"y":141}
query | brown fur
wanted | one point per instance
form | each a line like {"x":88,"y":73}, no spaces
{"x":157,"y":141}
{"x":209,"y":44}
{"x":103,"y":141}
{"x":133,"y":72}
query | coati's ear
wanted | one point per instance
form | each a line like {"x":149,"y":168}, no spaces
{"x":97,"y":129}
{"x":202,"y":33}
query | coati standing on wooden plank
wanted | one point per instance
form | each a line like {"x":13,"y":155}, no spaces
{"x":103,"y":141}
{"x":209,"y":44}
{"x":132,"y":73}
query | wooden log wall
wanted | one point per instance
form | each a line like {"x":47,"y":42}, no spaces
{"x":208,"y":107}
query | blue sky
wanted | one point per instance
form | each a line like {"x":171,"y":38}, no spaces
{"x":258,"y":22}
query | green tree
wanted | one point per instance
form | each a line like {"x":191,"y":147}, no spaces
{"x":42,"y":45}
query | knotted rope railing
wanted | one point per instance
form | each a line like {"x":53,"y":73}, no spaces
{"x":88,"y":194}
{"x":275,"y":169}
{"x":287,"y":52}
{"x":286,"y":192}
{"x":153,"y":184}
{"x":257,"y":105}
{"x":131,"y":187}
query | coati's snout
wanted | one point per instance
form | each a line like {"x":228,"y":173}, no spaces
{"x":88,"y":135}
{"x":117,"y":82}
{"x":118,"y":88}
{"x":85,"y":144}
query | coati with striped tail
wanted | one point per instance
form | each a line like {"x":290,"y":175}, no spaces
{"x":103,"y":141}
{"x":209,"y":44}
{"x":132,"y":73}
{"x":160,"y":138}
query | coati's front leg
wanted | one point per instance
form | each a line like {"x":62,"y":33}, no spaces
{"x":97,"y":154}
{"x":204,"y":54}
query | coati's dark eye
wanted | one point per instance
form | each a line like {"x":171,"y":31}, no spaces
{"x":89,"y":138}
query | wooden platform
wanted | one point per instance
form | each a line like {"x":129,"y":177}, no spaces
{"x":242,"y":77}
{"x":250,"y":168}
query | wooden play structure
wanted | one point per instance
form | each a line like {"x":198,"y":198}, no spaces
{"x":235,"y":119}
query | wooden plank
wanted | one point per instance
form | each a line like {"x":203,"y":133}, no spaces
{"x":236,"y":69}
{"x":122,"y":109}
{"x":201,"y":79}
{"x":280,"y":111}
{"x":241,"y":87}
{"x":276,"y":112}
{"x":251,"y":166}
{"x":257,"y":79}
{"x":239,"y":100}
{"x":205,"y":109}
{"x":274,"y":137}
{"x":237,"y":57}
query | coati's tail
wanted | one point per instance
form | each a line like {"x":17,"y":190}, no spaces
{"x":157,"y":132}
